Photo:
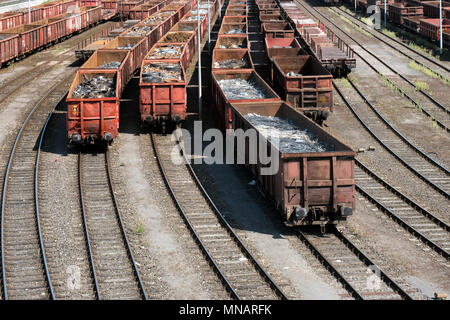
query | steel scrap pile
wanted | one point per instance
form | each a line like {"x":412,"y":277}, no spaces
{"x":292,"y":139}
{"x":162,"y":72}
{"x":240,"y":89}
{"x":139,"y":31}
{"x":231,"y":64}
{"x":126,"y":47}
{"x":110,"y":65}
{"x":98,"y":87}
{"x":167,"y":52}
{"x":231,"y":46}
{"x":235,"y":31}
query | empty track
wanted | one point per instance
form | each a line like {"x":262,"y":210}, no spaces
{"x":238,"y":270}
{"x":351,"y":267}
{"x":114,"y":270}
{"x":25,"y":274}
{"x":411,"y":216}
{"x":427,"y":169}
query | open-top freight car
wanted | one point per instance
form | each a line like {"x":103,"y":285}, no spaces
{"x":305,"y":84}
{"x":93,"y":118}
{"x":312,"y":187}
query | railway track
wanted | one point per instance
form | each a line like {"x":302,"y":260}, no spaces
{"x":22,"y":79}
{"x":25,"y":273}
{"x":114,"y":270}
{"x":411,"y":216}
{"x":427,"y":169}
{"x":363,"y":279}
{"x":435,"y":110}
{"x":235,"y":266}
{"x":399,"y":46}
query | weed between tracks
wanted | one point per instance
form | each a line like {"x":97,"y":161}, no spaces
{"x":358,"y":28}
{"x":413,"y":65}
{"x":420,"y":85}
{"x":418,"y":44}
{"x":140,"y":228}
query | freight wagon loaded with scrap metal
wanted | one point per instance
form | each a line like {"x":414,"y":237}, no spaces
{"x":93,"y":99}
{"x":313,"y":178}
{"x":310,"y":177}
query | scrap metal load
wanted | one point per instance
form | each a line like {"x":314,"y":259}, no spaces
{"x":314,"y":180}
{"x":26,"y":38}
{"x":162,"y":85}
{"x":93,"y":99}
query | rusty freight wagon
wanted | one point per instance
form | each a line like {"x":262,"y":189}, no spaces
{"x":118,"y":60}
{"x":429,"y":28}
{"x":277,"y":30}
{"x":162,"y":92}
{"x":398,"y":11}
{"x":93,"y":115}
{"x":9,"y":47}
{"x":31,"y":36}
{"x":235,"y":86}
{"x":10,"y":20}
{"x":137,"y":46}
{"x":305,"y":84}
{"x":232,"y":59}
{"x":308,"y":187}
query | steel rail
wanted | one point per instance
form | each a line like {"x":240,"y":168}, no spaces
{"x":222,"y":221}
{"x":400,"y":43}
{"x":360,"y":255}
{"x":185,"y":218}
{"x":399,"y":194}
{"x":425,"y":156}
{"x":398,"y":219}
{"x":235,"y":237}
{"x":432,"y":184}
{"x":122,"y":230}
{"x":380,"y":60}
{"x":368,"y":262}
{"x":329,"y":266}
{"x":86,"y":230}
{"x":3,"y":205}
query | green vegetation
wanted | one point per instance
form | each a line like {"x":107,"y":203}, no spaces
{"x":344,"y":82}
{"x":358,"y":28}
{"x":420,"y":85}
{"x":140,"y":228}
{"x":415,"y":42}
{"x":413,"y":65}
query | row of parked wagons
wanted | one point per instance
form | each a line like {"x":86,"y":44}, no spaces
{"x":43,"y":11}
{"x":417,"y":16}
{"x":309,"y":187}
{"x":96,"y":119}
{"x":17,"y":42}
{"x":162,"y":85}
